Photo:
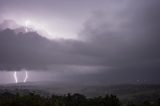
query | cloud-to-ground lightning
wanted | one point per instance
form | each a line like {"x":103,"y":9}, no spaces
{"x":26,"y":76}
{"x":15,"y":77}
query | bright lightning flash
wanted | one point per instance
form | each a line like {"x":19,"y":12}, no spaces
{"x":34,"y":26}
{"x":27,"y":23}
{"x":26,"y":76}
{"x":16,"y":78}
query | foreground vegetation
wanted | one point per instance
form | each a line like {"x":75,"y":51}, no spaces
{"x":32,"y":99}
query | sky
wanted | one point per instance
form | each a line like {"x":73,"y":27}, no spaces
{"x":80,"y":41}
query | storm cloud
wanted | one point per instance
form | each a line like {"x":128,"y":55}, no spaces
{"x":121,"y":41}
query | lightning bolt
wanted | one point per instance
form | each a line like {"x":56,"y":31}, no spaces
{"x":15,"y":77}
{"x":26,"y":76}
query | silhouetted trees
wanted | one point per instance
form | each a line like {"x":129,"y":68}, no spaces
{"x":32,"y":99}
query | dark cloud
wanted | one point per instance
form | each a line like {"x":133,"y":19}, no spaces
{"x":33,"y":52}
{"x":127,"y":41}
{"x":134,"y":40}
{"x":22,"y":50}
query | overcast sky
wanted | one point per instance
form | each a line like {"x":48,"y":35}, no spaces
{"x":85,"y":41}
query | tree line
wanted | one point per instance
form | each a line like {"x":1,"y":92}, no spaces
{"x":33,"y":99}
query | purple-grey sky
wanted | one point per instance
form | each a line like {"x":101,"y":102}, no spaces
{"x":87,"y":41}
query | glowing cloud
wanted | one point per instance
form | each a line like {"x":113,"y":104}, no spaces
{"x":34,"y":26}
{"x":27,"y":23}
